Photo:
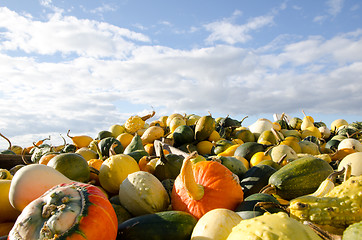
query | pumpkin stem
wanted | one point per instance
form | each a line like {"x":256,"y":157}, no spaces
{"x":195,"y":190}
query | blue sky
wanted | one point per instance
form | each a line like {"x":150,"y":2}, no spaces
{"x":86,"y":65}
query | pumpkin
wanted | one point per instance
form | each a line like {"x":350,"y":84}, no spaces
{"x":67,"y":211}
{"x":204,"y":186}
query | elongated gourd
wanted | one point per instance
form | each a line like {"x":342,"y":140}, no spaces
{"x":151,"y":134}
{"x":31,"y":181}
{"x":142,"y":193}
{"x":81,"y":140}
{"x":300,"y":177}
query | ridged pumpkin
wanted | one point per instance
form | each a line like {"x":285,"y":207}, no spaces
{"x":204,"y":186}
{"x":67,"y":211}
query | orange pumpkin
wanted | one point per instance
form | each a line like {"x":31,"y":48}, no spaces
{"x":67,"y":211}
{"x":46,"y":158}
{"x":95,"y":163}
{"x":205,"y":186}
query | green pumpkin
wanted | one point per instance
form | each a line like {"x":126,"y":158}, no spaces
{"x":182,"y":135}
{"x":105,"y":145}
{"x":168,"y":166}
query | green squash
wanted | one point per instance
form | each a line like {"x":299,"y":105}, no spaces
{"x":300,"y":177}
{"x":166,"y":225}
{"x":257,"y":204}
{"x":134,"y":145}
{"x":105,"y":145}
{"x":182,"y":135}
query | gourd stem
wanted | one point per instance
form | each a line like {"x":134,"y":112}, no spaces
{"x":9,"y":148}
{"x":195,"y":190}
{"x":334,"y":175}
{"x":242,"y":120}
{"x":347,"y":174}
{"x":27,"y":162}
{"x":68,"y":134}
{"x":148,"y":116}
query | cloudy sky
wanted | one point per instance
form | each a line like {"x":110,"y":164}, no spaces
{"x":85,"y":65}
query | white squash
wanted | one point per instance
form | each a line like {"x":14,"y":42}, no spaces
{"x":355,"y":159}
{"x":215,"y":224}
{"x":260,"y":126}
{"x":350,"y":143}
{"x":31,"y":181}
{"x":142,"y":193}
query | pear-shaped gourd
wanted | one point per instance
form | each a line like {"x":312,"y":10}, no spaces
{"x":204,"y":127}
{"x":142,"y":193}
{"x":306,"y":122}
{"x":135,"y":144}
{"x":31,"y":181}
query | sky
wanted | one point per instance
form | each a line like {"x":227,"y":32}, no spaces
{"x":84,"y":65}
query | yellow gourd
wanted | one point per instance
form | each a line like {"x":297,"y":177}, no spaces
{"x":151,"y":134}
{"x":114,"y":170}
{"x":81,"y":140}
{"x":7,"y":212}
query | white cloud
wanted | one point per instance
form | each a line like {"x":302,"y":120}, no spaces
{"x":104,"y":8}
{"x":67,"y":35}
{"x":334,"y":7}
{"x":230,"y":33}
{"x":87,"y":94}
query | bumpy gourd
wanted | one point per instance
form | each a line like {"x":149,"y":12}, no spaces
{"x":67,"y":211}
{"x":341,"y":207}
{"x":135,"y":123}
{"x":277,"y":226}
{"x":354,"y":231}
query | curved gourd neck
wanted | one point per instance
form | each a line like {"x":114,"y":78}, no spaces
{"x":195,"y":190}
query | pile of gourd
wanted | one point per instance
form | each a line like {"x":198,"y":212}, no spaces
{"x":189,"y":177}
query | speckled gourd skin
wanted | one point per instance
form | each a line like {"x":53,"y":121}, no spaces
{"x":51,"y":216}
{"x":341,"y":207}
{"x":353,"y":232}
{"x":276,"y":226}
